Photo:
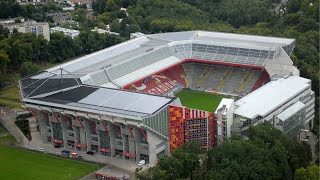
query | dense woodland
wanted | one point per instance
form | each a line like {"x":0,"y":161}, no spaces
{"x":266,"y":154}
{"x":23,"y":54}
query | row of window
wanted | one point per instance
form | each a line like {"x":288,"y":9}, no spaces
{"x":197,"y":135}
{"x":196,"y":121}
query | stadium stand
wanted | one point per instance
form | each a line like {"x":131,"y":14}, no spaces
{"x":176,"y":73}
{"x":230,"y":80}
{"x":156,"y":84}
{"x":263,"y":79}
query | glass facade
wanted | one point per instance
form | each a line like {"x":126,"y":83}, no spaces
{"x":158,"y":123}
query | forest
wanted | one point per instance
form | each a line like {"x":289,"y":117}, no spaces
{"x":266,"y":154}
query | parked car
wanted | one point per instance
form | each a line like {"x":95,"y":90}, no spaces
{"x":141,"y":163}
{"x":65,"y":153}
{"x":80,"y":157}
{"x":90,"y":152}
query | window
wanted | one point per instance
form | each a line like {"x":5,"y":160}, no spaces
{"x":94,"y":138}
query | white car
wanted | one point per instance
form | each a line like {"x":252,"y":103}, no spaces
{"x":141,"y":163}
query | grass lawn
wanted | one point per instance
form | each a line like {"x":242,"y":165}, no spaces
{"x":23,"y":164}
{"x":2,"y":129}
{"x":7,"y":138}
{"x":9,"y":97}
{"x":200,"y":100}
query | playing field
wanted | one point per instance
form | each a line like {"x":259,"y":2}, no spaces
{"x":23,"y":164}
{"x":200,"y":100}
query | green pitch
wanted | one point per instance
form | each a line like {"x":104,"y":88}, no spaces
{"x":24,"y":164}
{"x":200,"y":100}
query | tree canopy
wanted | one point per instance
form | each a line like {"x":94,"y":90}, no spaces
{"x":267,"y":153}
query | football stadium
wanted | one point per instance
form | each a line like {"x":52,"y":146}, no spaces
{"x":145,"y":97}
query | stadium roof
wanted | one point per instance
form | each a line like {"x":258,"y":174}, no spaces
{"x":104,"y":101}
{"x":146,"y":54}
{"x":269,"y":97}
{"x":124,"y":63}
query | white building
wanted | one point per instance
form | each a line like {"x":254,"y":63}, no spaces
{"x":287,"y":103}
{"x":102,"y":31}
{"x":68,"y":32}
{"x":38,"y":28}
{"x":224,"y":117}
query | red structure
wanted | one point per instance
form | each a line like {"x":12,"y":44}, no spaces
{"x":190,"y":125}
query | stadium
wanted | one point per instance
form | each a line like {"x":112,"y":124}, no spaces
{"x":144,"y":97}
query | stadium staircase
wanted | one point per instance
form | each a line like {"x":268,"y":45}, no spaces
{"x":245,"y":80}
{"x":205,"y":74}
{"x":7,"y":120}
{"x":226,"y":74}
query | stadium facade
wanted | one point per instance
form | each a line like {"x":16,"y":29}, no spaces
{"x":119,"y":101}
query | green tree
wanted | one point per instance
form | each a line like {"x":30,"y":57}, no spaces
{"x":4,"y":60}
{"x":28,"y":68}
{"x":310,"y":173}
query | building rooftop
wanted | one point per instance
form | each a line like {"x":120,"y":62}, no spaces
{"x":61,"y":29}
{"x":225,"y":102}
{"x":270,"y":96}
{"x":103,"y":101}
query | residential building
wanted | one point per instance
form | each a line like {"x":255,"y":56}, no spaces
{"x":68,"y":32}
{"x":38,"y":28}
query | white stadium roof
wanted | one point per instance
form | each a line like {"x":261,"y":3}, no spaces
{"x":270,"y":96}
{"x":147,"y":54}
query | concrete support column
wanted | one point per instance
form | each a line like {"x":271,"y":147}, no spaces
{"x":125,"y":141}
{"x":98,"y":134}
{"x":152,"y":148}
{"x":132,"y":146}
{"x":137,"y":138}
{"x":83,"y":136}
{"x":167,"y":150}
{"x":50,"y":122}
{"x":112,"y":139}
{"x":87,"y":134}
{"x":76,"y":138}
{"x":42,"y":126}
{"x":64,"y":125}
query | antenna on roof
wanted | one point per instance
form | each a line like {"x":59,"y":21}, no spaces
{"x":61,"y":75}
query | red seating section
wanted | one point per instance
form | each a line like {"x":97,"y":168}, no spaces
{"x":264,"y":78}
{"x":176,"y":73}
{"x":160,"y":83}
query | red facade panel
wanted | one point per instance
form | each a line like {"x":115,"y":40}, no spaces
{"x":190,"y":125}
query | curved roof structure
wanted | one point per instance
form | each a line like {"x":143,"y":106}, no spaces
{"x":132,"y":60}
{"x":127,"y":62}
